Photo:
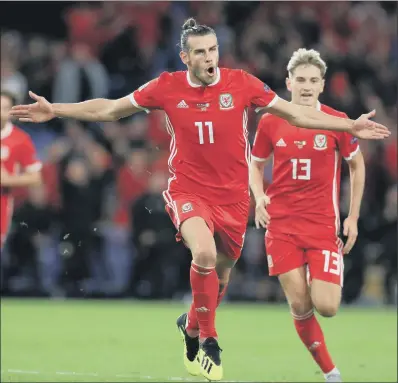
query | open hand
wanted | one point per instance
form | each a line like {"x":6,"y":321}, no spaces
{"x":40,"y":111}
{"x":367,"y":129}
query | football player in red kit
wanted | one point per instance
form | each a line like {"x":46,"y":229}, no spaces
{"x":208,"y":191}
{"x":301,"y":207}
{"x":19,"y":164}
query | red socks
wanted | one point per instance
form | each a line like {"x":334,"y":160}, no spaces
{"x":311,"y":335}
{"x":193,"y":320}
{"x":202,"y":314}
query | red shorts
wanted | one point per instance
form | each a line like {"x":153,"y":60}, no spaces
{"x":324,"y":257}
{"x":226,"y":222}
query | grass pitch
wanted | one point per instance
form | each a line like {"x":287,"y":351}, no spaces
{"x":125,"y":341}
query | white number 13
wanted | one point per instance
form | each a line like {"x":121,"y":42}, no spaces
{"x":333,"y":262}
{"x":303,"y":166}
{"x":209,"y":125}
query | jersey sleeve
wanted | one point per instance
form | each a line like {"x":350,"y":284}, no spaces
{"x":150,"y":95}
{"x":262,"y":147}
{"x":28,"y":157}
{"x":260,"y":94}
{"x":348,"y":144}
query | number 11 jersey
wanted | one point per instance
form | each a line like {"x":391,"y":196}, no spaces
{"x":209,"y":147}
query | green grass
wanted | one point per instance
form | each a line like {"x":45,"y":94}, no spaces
{"x":129,"y":341}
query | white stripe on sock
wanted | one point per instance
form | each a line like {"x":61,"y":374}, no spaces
{"x":304,"y":316}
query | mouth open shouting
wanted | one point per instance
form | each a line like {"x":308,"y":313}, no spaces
{"x":211,"y":71}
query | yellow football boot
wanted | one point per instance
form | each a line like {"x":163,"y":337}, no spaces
{"x":191,"y":347}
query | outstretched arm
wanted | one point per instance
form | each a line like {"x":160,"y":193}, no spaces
{"x":92,"y":110}
{"x":310,"y":118}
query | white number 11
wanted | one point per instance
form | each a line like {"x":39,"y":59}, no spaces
{"x":209,"y":125}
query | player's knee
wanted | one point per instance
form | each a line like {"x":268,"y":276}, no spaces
{"x":204,"y":256}
{"x":327,"y":309}
{"x":300,"y":307}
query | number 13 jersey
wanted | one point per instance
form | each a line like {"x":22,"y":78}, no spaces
{"x":305,"y":184}
{"x":209,"y":147}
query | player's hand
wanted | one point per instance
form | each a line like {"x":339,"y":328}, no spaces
{"x":366,"y":129}
{"x":351,"y":232}
{"x":40,"y":111}
{"x":262,"y":217}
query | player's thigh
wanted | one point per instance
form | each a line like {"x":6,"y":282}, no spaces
{"x":326,"y":269}
{"x":199,"y":239}
{"x":230,"y":222}
{"x":283,"y":255}
{"x":326,"y":297}
{"x":192,"y":218}
{"x":295,"y":287}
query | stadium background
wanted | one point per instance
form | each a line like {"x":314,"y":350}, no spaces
{"x":87,"y":231}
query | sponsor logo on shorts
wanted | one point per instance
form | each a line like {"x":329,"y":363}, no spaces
{"x":186,"y":207}
{"x":320,"y":142}
{"x":270,"y":261}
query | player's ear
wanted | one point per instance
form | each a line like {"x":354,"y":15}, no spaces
{"x":288,"y":84}
{"x":184,"y":57}
{"x":322,"y":85}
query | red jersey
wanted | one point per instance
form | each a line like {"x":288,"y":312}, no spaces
{"x":209,"y":147}
{"x":305,"y":184}
{"x":17,"y":154}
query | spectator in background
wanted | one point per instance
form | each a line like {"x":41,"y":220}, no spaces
{"x":132,"y":182}
{"x":80,"y":76}
{"x":12,"y":80}
{"x":154,"y":274}
{"x":34,"y":221}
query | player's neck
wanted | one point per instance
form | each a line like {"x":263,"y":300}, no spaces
{"x":194,"y":79}
{"x":311,"y":106}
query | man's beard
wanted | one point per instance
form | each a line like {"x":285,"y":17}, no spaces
{"x":200,"y":75}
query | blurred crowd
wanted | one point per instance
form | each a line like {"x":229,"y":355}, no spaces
{"x":98,"y":224}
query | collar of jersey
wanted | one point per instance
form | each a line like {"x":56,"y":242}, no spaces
{"x":198,"y":86}
{"x":4,"y":133}
{"x":318,"y":105}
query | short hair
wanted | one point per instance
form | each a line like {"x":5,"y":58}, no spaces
{"x":11,"y":96}
{"x":191,"y":28}
{"x":306,"y":57}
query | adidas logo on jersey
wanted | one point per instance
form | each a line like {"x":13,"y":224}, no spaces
{"x":281,"y":142}
{"x":182,"y":104}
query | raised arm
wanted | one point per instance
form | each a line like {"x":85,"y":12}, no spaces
{"x":92,"y":110}
{"x":311,"y":118}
